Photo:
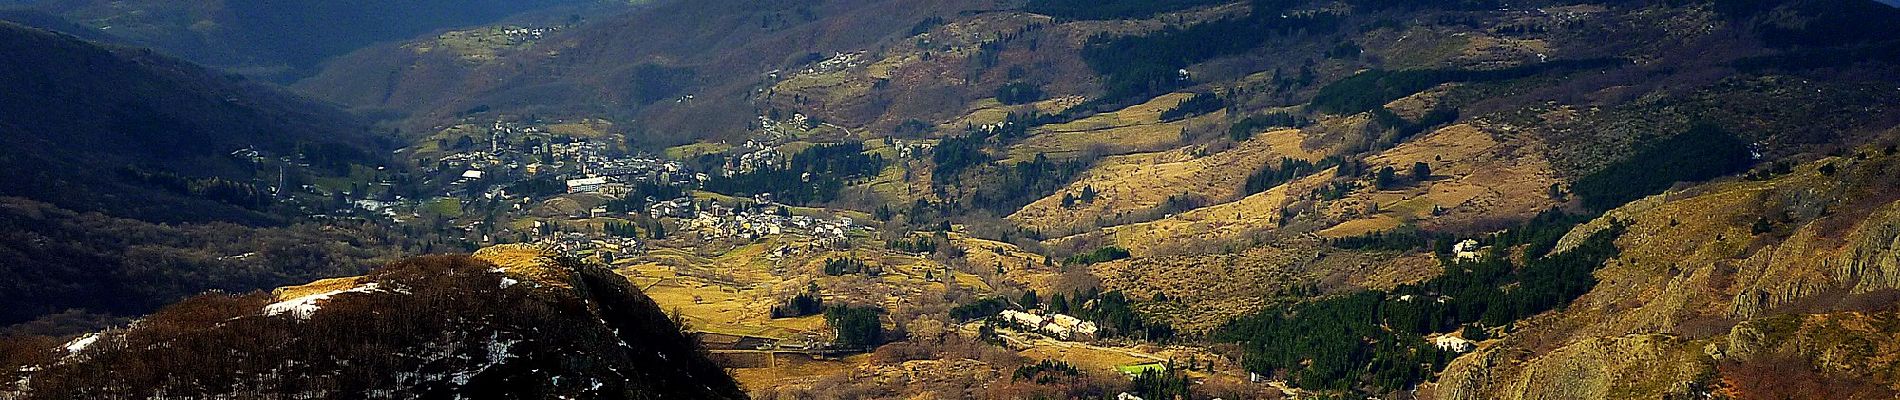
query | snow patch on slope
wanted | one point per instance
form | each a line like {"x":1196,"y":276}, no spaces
{"x":81,"y":343}
{"x":303,"y":307}
{"x":498,"y":352}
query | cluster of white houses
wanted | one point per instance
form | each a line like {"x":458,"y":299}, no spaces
{"x":911,"y":148}
{"x":837,"y":62}
{"x":586,"y":166}
{"x":720,"y":222}
{"x":520,"y":34}
{"x":518,"y":151}
{"x":604,"y":248}
{"x":1060,"y":326}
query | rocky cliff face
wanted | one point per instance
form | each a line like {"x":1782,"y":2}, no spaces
{"x":508,"y":322}
{"x":1776,"y":288}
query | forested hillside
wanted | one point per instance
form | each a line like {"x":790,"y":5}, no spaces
{"x":135,"y":134}
{"x":278,"y":40}
{"x":136,"y":180}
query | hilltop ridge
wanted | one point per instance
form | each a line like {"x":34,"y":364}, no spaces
{"x":509,"y":321}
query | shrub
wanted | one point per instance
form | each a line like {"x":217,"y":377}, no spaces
{"x":1105,"y":254}
{"x":1014,"y":93}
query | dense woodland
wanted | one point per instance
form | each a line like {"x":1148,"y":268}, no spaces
{"x":1200,"y":103}
{"x":1247,"y":127}
{"x":1015,"y":93}
{"x":1372,"y":89}
{"x":1702,"y":153}
{"x":856,"y":326}
{"x":808,"y":302}
{"x":1374,"y":342}
{"x":1136,"y":67}
{"x":973,"y":180}
{"x":1101,"y":255}
{"x":1289,"y":169}
{"x":1110,"y":9}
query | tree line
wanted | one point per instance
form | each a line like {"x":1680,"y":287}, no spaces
{"x":1110,"y":9}
{"x":1372,"y":89}
{"x":856,"y":327}
{"x":1136,"y":67}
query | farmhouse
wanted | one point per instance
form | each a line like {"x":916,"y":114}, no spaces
{"x":1453,"y":344}
{"x":1465,"y":250}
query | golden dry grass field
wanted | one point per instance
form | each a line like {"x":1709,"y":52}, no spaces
{"x":1478,"y":175}
{"x":731,"y":290}
{"x":1138,"y":128}
{"x":1138,"y":182}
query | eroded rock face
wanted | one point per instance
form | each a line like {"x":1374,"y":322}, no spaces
{"x":509,"y":322}
{"x":1737,"y":288}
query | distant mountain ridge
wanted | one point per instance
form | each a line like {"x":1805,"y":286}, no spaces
{"x":277,"y":40}
{"x":638,"y":65}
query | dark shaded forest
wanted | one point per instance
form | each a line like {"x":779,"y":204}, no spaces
{"x":63,"y":260}
{"x":1702,"y":153}
{"x":1110,"y":9}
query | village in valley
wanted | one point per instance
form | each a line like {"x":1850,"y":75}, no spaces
{"x":967,"y":199}
{"x":794,"y":249}
{"x":719,"y":235}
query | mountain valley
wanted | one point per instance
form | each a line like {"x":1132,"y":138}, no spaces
{"x":1184,"y":199}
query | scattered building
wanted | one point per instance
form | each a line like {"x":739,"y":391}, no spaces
{"x":1060,"y":326}
{"x":1465,"y":250}
{"x":586,"y":185}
